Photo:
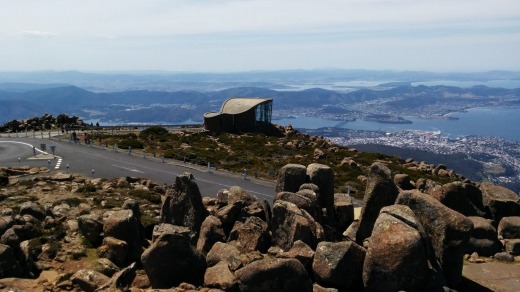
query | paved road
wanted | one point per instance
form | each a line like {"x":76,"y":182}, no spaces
{"x":83,"y":159}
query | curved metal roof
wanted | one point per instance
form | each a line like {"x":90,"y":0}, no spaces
{"x":237,"y":105}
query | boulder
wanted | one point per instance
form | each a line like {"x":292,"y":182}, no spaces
{"x":483,"y":239}
{"x":273,"y":275}
{"x":9,"y":265}
{"x":257,"y":208}
{"x":91,"y":227}
{"x":343,"y":211}
{"x":300,"y":251}
{"x":447,"y":230}
{"x":301,"y":202}
{"x":171,"y":260}
{"x":4,"y":180}
{"x":121,"y":280}
{"x":220,"y":277}
{"x":397,"y":257}
{"x":251,"y":235}
{"x":5,"y":223}
{"x":290,"y":178}
{"x":512,"y":246}
{"x":504,"y":257}
{"x":290,"y":223}
{"x":123,"y":225}
{"x":339,"y":265}
{"x":211,"y":231}
{"x":229,"y":214}
{"x":88,"y":280}
{"x":225,"y":252}
{"x":499,"y":201}
{"x":165,"y":228}
{"x":403,"y":181}
{"x":461,"y":197}
{"x":106,"y":267}
{"x":380,"y":192}
{"x":509,"y":227}
{"x":183,"y":206}
{"x":114,"y":249}
{"x":32,"y":208}
{"x":322,"y":176}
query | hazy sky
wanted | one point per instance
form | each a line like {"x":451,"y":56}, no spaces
{"x":238,"y":35}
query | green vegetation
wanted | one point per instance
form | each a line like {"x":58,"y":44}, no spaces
{"x":260,"y":155}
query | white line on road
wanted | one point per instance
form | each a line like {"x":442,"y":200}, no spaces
{"x":58,"y":164}
{"x":128,"y":168}
{"x":27,"y":144}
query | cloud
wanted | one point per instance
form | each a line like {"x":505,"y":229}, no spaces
{"x":36,"y":34}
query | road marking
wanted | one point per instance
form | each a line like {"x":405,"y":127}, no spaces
{"x":58,"y":164}
{"x":128,"y":168}
{"x":27,"y":144}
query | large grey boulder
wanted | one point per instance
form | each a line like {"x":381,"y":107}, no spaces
{"x":91,"y":227}
{"x":290,"y":178}
{"x":380,"y":192}
{"x":274,"y":275}
{"x":115,"y":250}
{"x":509,"y":228}
{"x":252,"y":234}
{"x":397,"y":256}
{"x":220,"y":277}
{"x":300,"y":251}
{"x":290,"y":223}
{"x":171,"y":260}
{"x":483,"y":238}
{"x":322,"y":176}
{"x":339,"y":265}
{"x":32,"y":208}
{"x":447,"y":230}
{"x":461,"y":197}
{"x":183,"y":205}
{"x":301,"y":202}
{"x":499,"y":201}
{"x":123,"y":225}
{"x":211,"y":231}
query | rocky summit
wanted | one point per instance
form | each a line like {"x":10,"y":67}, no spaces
{"x":64,"y":232}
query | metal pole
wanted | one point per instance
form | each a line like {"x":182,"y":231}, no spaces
{"x":68,"y":168}
{"x":129,"y":150}
{"x":93,"y":172}
{"x":209,"y":166}
{"x":163,"y":159}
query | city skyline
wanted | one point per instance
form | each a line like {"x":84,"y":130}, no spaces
{"x":233,"y":35}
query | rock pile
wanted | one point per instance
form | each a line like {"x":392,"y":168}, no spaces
{"x":409,"y":236}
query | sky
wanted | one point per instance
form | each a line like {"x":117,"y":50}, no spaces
{"x":245,"y":35}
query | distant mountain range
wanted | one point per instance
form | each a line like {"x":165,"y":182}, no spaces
{"x":28,"y":100}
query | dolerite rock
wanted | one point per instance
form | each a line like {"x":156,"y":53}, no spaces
{"x":34,"y":209}
{"x":106,"y":267}
{"x":5,"y":223}
{"x":301,"y":202}
{"x":339,"y":265}
{"x":396,"y":257}
{"x":504,"y":257}
{"x":9,"y":265}
{"x":499,"y":201}
{"x":211,"y":231}
{"x":483,"y":238}
{"x":183,"y":204}
{"x":461,"y":197}
{"x":290,"y":224}
{"x":343,"y":210}
{"x":131,"y":204}
{"x":123,"y":225}
{"x":251,"y":235}
{"x":381,"y":191}
{"x":274,"y":275}
{"x":115,"y":250}
{"x":290,"y":178}
{"x":323,"y":176}
{"x":88,"y":280}
{"x":300,"y":251}
{"x":224,"y":252}
{"x":171,"y":260}
{"x":257,"y":208}
{"x":165,"y":228}
{"x":509,"y":227}
{"x":91,"y":227}
{"x":448,"y":231}
{"x":221,"y":277}
{"x":512,"y":246}
{"x":229,"y":214}
{"x":403,"y":181}
{"x":121,"y":280}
